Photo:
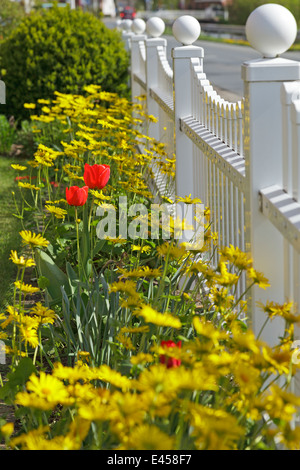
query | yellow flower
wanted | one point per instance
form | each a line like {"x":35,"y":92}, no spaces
{"x":152,"y":118}
{"x":142,"y":249}
{"x":125,"y":341}
{"x":13,"y":315}
{"x":46,"y":387}
{"x":148,"y":437}
{"x":258,"y":278}
{"x":128,"y":287}
{"x":29,"y":105}
{"x":127,"y":411}
{"x":290,"y":437}
{"x":235,"y":256}
{"x":171,"y":250}
{"x":160,"y":319}
{"x":25,"y":185}
{"x":106,"y":374}
{"x":279,"y":358}
{"x":220,"y":298}
{"x":56,"y":211}
{"x":120,"y":240}
{"x":45,"y":155}
{"x":45,"y":119}
{"x":43,"y":101}
{"x":137,"y":329}
{"x":22,"y":262}
{"x":247,"y":377}
{"x":226,"y":278}
{"x":33,"y":239}
{"x":99,"y":195}
{"x":157,"y":378}
{"x":208,"y":330}
{"x":29,"y":335}
{"x":200,"y":267}
{"x":189,"y":200}
{"x":278,"y":403}
{"x":31,"y":436}
{"x":141,"y":358}
{"x":71,"y":374}
{"x":214,"y":429}
{"x":245,"y":340}
{"x":18,"y":167}
{"x":7,"y":429}
{"x":26,"y":288}
{"x":72,"y":440}
{"x":274,"y":309}
{"x":143,"y":271}
{"x":43,"y":314}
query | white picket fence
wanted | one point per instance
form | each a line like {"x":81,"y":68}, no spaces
{"x":241,"y":159}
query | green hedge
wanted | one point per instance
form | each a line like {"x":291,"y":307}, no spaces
{"x":239,"y":10}
{"x":60,"y":50}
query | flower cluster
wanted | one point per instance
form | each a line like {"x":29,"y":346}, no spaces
{"x":131,"y":344}
{"x":95,"y":177}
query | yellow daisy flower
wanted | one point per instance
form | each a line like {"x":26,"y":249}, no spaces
{"x":33,"y":239}
{"x":160,"y":319}
{"x":21,"y":261}
{"x":26,"y":288}
{"x":56,"y":211}
{"x":18,"y":167}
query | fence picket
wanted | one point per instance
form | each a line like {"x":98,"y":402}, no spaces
{"x":241,"y":159}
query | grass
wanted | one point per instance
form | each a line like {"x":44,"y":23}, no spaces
{"x":9,"y":228}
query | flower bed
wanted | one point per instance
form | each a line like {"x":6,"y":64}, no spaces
{"x":129,"y":342}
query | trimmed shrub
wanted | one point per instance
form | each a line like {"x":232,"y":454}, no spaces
{"x":60,"y":50}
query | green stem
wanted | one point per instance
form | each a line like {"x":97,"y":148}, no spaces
{"x":261,"y":330}
{"x":78,"y":243}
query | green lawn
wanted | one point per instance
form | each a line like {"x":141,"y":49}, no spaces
{"x":9,"y":228}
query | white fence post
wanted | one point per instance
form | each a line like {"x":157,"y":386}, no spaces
{"x":127,"y":33}
{"x":186,"y":30}
{"x":137,"y":64}
{"x":271,"y":31}
{"x":155,"y":27}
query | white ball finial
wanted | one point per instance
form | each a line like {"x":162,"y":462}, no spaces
{"x":126,"y":24}
{"x":138,"y":26}
{"x":118,"y":23}
{"x":186,"y":29}
{"x":271,"y":29}
{"x":155,"y":26}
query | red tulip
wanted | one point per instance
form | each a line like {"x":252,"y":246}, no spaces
{"x":170,"y":361}
{"x":96,"y":176}
{"x":77,"y":196}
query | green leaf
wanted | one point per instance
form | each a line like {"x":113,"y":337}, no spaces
{"x":73,"y":277}
{"x":17,"y":378}
{"x":99,"y":245}
{"x":57,"y":278}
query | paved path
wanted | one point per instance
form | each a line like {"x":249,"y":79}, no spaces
{"x":222,"y":64}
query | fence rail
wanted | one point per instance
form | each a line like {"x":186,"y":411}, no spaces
{"x":242,"y":159}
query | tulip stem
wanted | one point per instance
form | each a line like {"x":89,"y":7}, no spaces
{"x":90,"y":215}
{"x":78,"y":244}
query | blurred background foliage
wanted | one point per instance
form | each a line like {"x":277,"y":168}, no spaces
{"x":239,"y":10}
{"x":11,"y":13}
